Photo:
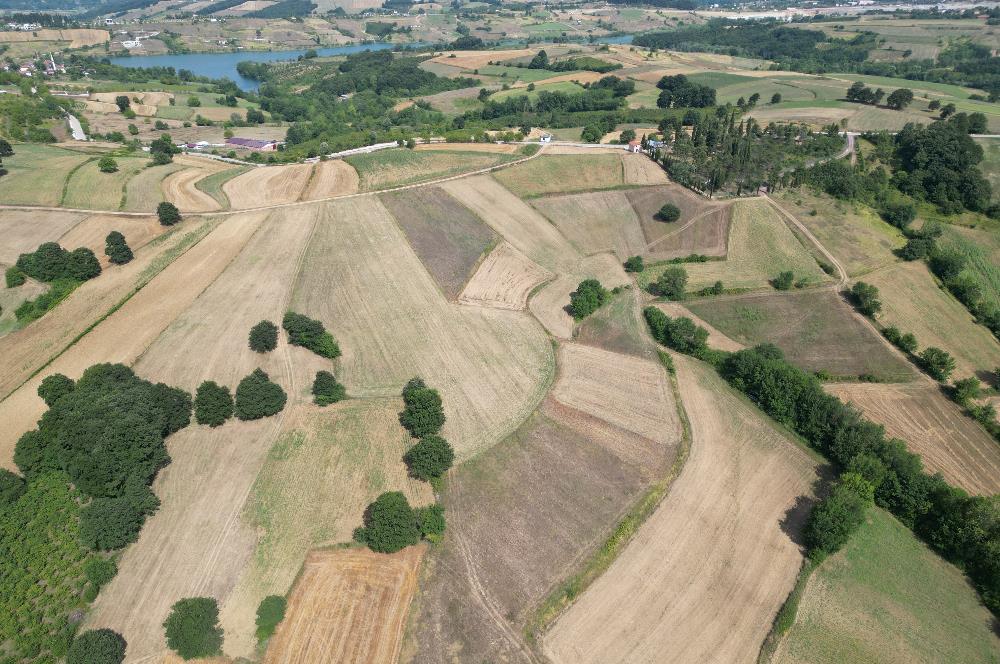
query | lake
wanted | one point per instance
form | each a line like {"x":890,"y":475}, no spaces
{"x":223,"y":65}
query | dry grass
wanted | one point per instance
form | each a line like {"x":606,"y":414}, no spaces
{"x":93,"y":231}
{"x":564,"y":173}
{"x":269,"y":185}
{"x":715,"y":560}
{"x":91,"y":189}
{"x":36,"y":174}
{"x":596,"y":222}
{"x":182,"y":189}
{"x":145,"y":191}
{"x":703,"y":227}
{"x":477,"y":59}
{"x":77,"y":37}
{"x":399,"y":167}
{"x":618,"y":327}
{"x":716,"y":339}
{"x":21,"y":231}
{"x":504,"y":148}
{"x":503,"y":280}
{"x":641,"y":170}
{"x":550,"y":303}
{"x":348,"y":606}
{"x":331,"y":178}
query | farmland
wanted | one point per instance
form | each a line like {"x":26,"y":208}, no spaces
{"x":37,"y":173}
{"x":394,"y":168}
{"x":569,"y":173}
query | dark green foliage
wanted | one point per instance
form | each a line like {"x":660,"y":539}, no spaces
{"x":939,"y":163}
{"x":12,"y":487}
{"x":965,"y":390}
{"x":270,"y":612}
{"x":423,"y":414}
{"x":123,"y":102}
{"x":429,"y":458}
{"x":865,"y":297}
{"x":99,"y":570}
{"x":671,"y":283}
{"x":54,"y":386}
{"x":836,"y":517}
{"x":947,"y":264}
{"x":14,"y":277}
{"x":679,"y":92}
{"x":917,"y":248}
{"x":193,"y":629}
{"x":5,"y":148}
{"x":899,"y":99}
{"x":264,"y":337}
{"x":116,"y":249}
{"x":107,"y":524}
{"x":669,"y":212}
{"x":783,"y":281}
{"x":905,"y":342}
{"x":107,"y":164}
{"x":937,"y":363}
{"x":588,"y":297}
{"x":431,"y":521}
{"x":899,"y":213}
{"x":634,"y":264}
{"x":776,"y":98}
{"x":51,"y":262}
{"x":326,"y":390}
{"x":97,"y":646}
{"x":167,"y":213}
{"x":308,"y":333}
{"x":390,"y":524}
{"x":284,"y":9}
{"x":213,"y":404}
{"x":681,"y":334}
{"x":257,"y":397}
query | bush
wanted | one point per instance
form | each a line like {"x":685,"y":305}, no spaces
{"x":837,"y":516}
{"x":423,"y":413}
{"x":54,"y":386}
{"x":308,"y":333}
{"x":107,"y":164}
{"x":669,"y":213}
{"x":326,"y":390}
{"x":865,"y":297}
{"x":116,"y":249}
{"x":167,"y":212}
{"x":12,"y":487}
{"x":917,"y":248}
{"x":264,"y":337}
{"x":14,"y":276}
{"x":431,"y":522}
{"x":270,"y":612}
{"x":97,"y":646}
{"x":193,"y":628}
{"x":588,"y":297}
{"x":213,"y":404}
{"x":672,"y":282}
{"x":783,"y":281}
{"x":429,"y":458}
{"x":937,"y":363}
{"x":390,"y":524}
{"x":257,"y":397}
{"x":966,"y":390}
{"x":680,"y":334}
{"x":107,"y":524}
{"x":634,"y":264}
{"x":905,"y":342}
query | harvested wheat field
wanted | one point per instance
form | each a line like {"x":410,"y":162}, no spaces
{"x":362,"y":279}
{"x":386,"y":169}
{"x":640,"y":170}
{"x":503,"y":280}
{"x":704,"y":576}
{"x":182,"y":188}
{"x":549,"y":304}
{"x":947,"y":440}
{"x":477,"y":59}
{"x":21,"y":231}
{"x":348,"y":606}
{"x":331,"y":178}
{"x":595,"y":222}
{"x":93,"y":231}
{"x":268,"y":185}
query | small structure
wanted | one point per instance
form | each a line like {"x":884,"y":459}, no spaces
{"x":634,"y":146}
{"x":546,"y":138}
{"x":255,"y":144}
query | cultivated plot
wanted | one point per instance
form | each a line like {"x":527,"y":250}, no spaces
{"x":93,"y":231}
{"x":36,"y":174}
{"x":618,"y":327}
{"x":21,"y":231}
{"x":269,"y":185}
{"x":703,"y":226}
{"x":503,"y":280}
{"x":331,"y":178}
{"x":595,"y":222}
{"x":145,"y":190}
{"x":399,"y":167}
{"x":559,"y":174}
{"x":89,"y":188}
{"x":182,"y":188}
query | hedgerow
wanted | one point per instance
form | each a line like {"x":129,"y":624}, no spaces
{"x":308,"y":333}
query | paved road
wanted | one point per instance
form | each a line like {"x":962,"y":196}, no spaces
{"x":76,"y":128}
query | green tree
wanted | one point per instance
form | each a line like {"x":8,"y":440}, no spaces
{"x":14,"y":277}
{"x":99,"y":570}
{"x":12,"y":487}
{"x":937,"y":363}
{"x":431,"y":521}
{"x":213,"y":404}
{"x":776,"y":98}
{"x":270,"y":612}
{"x":423,"y":413}
{"x":865,"y":298}
{"x":162,"y":159}
{"x":783,"y":281}
{"x":308,"y":333}
{"x":116,"y":249}
{"x":837,"y":516}
{"x":107,"y":164}
{"x":97,"y":646}
{"x":672,"y":282}
{"x":966,"y":389}
{"x":669,"y":212}
{"x":257,"y":397}
{"x":899,"y":99}
{"x":429,"y":458}
{"x":390,"y":524}
{"x":123,"y":102}
{"x":107,"y":524}
{"x":634,"y":264}
{"x":626,"y":136}
{"x":133,"y":130}
{"x":5,"y":148}
{"x":54,"y":386}
{"x":326,"y":390}
{"x":899,"y":213}
{"x":167,"y":213}
{"x":193,"y":101}
{"x":264,"y":337}
{"x":193,"y":628}
{"x":588,"y":297}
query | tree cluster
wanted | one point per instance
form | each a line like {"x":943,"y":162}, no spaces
{"x":257,"y":397}
{"x":309,"y":333}
{"x":116,"y":249}
{"x":213,"y":404}
{"x":51,"y":262}
{"x":192,"y":628}
{"x":671,"y":283}
{"x":588,"y":297}
{"x":263,"y":337}
{"x":392,"y":525}
{"x":423,"y":414}
{"x":326,"y":390}
{"x":679,"y":92}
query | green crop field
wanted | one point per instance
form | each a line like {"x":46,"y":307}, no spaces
{"x":511,"y":74}
{"x":887,"y":598}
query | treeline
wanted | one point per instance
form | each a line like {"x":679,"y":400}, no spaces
{"x":284,"y":9}
{"x":963,"y":529}
{"x":582,"y":63}
{"x":962,"y":62}
{"x":25,"y":117}
{"x":607,"y":94}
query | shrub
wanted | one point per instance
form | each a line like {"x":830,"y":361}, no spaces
{"x":107,"y":524}
{"x":270,"y":612}
{"x":308,"y":333}
{"x":966,"y":389}
{"x":865,"y":297}
{"x":264,"y":337}
{"x":429,"y":458}
{"x":669,"y":213}
{"x":681,"y":334}
{"x":423,"y":413}
{"x":12,"y":487}
{"x":783,"y":281}
{"x":672,"y":282}
{"x":193,"y":628}
{"x":97,"y":646}
{"x":937,"y":363}
{"x":257,"y":397}
{"x":905,"y":342}
{"x":588,"y":297}
{"x":107,"y":164}
{"x":14,"y":276}
{"x":54,"y":386}
{"x":837,"y":516}
{"x":634,"y":264}
{"x":162,"y":159}
{"x":213,"y":404}
{"x":99,"y":570}
{"x":116,"y":249}
{"x":390,"y":524}
{"x":326,"y":390}
{"x":431,"y":522}
{"x":167,"y":212}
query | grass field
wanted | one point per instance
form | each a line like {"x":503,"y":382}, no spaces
{"x":760,"y":246}
{"x":89,"y":188}
{"x":703,"y":227}
{"x":563,"y":174}
{"x":36,"y":174}
{"x":862,"y":605}
{"x":617,"y":327}
{"x":595,"y":222}
{"x":567,"y":87}
{"x":990,"y":165}
{"x":145,"y":190}
{"x":394,"y":168}
{"x":213,"y":184}
{"x":816,"y":330}
{"x":981,"y":249}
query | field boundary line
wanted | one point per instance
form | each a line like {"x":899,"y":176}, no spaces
{"x":65,"y":186}
{"x":787,"y":614}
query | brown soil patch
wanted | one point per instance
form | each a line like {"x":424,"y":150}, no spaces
{"x":403,"y":105}
{"x":505,"y":148}
{"x":348,"y":606}
{"x":93,"y":231}
{"x":595,"y":222}
{"x":948,"y":441}
{"x":715,"y":560}
{"x":331,"y":178}
{"x":218,"y":113}
{"x":268,"y":185}
{"x":503,"y":280}
{"x":21,"y":231}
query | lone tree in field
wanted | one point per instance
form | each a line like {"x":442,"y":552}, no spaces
{"x":588,"y":297}
{"x":193,"y":628}
{"x":213,"y":404}
{"x":308,"y":333}
{"x":326,"y":390}
{"x":54,"y":386}
{"x":865,"y":298}
{"x":390,"y":524}
{"x":116,"y":249}
{"x":97,"y":646}
{"x":429,"y":458}
{"x":669,"y":212}
{"x":107,"y":164}
{"x":938,"y":363}
{"x":270,"y":612}
{"x":634,"y":264}
{"x":899,"y":99}
{"x":167,"y":213}
{"x":257,"y":397}
{"x":123,"y":102}
{"x":776,"y":98}
{"x":783,"y":281}
{"x":5,"y":149}
{"x":264,"y":337}
{"x":423,"y":414}
{"x":672,"y":283}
